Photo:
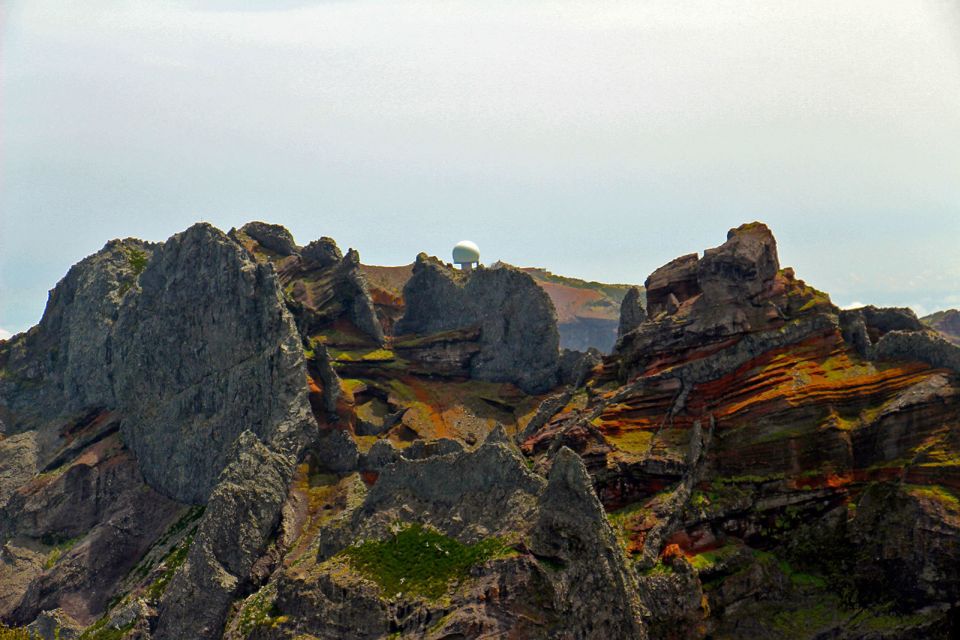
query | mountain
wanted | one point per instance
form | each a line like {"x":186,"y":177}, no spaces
{"x":230,"y":435}
{"x":947,"y":323}
{"x":587,"y":312}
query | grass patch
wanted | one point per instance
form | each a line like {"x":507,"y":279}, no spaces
{"x":419,"y":561}
{"x":259,"y":611}
{"x":57,"y":552}
{"x":709,"y":559}
{"x":173,"y":562}
{"x":6,"y":633}
{"x":938,"y":494}
{"x":102,"y":631}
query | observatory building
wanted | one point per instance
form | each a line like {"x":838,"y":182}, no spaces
{"x":466,"y":255}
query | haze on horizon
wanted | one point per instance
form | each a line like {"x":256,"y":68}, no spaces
{"x":597,"y":140}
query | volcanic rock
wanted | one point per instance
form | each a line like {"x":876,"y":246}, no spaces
{"x":632,"y":313}
{"x":517,"y":324}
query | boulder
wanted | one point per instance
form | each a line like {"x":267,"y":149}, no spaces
{"x":273,"y":237}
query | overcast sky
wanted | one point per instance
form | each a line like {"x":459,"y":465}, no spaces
{"x":597,"y":139}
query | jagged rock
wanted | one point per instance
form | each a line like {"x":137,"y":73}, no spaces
{"x":518,"y":335}
{"x":335,"y":451}
{"x":922,"y":346}
{"x":240,"y":516}
{"x":18,"y":463}
{"x":66,"y":363}
{"x":678,"y":278}
{"x":330,"y":381}
{"x":55,"y":625}
{"x":274,"y":237}
{"x":422,"y":449}
{"x":632,"y":313}
{"x":206,"y":351}
{"x":741,"y":268}
{"x":379,"y":456}
{"x":321,"y":254}
{"x":575,"y":366}
{"x":572,"y":528}
{"x":103,"y":514}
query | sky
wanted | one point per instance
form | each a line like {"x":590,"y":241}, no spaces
{"x":597,"y":139}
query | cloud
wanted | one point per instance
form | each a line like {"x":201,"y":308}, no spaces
{"x":4,"y":334}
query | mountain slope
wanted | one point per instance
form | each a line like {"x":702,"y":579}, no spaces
{"x":232,"y":435}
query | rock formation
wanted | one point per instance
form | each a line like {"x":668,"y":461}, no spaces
{"x":632,"y":313}
{"x":215,"y":437}
{"x":745,"y":439}
{"x":518,"y":339}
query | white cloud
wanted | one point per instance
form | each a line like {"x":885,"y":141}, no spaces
{"x":4,"y":334}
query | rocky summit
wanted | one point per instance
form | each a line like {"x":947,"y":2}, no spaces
{"x":230,"y":435}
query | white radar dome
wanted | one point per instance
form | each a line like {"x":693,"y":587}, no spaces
{"x":466,"y":252}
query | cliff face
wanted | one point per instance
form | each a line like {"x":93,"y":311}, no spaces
{"x":516,"y":323}
{"x":746,"y":437}
{"x":234,"y":436}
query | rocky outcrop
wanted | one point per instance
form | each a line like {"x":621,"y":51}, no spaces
{"x":564,"y":561}
{"x":66,"y":363}
{"x":632,"y":313}
{"x":321,"y":284}
{"x":205,"y":352}
{"x":571,"y":529}
{"x":241,"y":514}
{"x":517,"y":324}
{"x":810,"y":413}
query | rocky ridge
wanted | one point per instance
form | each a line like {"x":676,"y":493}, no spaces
{"x":750,"y":461}
{"x":743,"y":438}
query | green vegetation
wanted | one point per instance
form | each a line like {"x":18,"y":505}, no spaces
{"x":936,"y":493}
{"x":709,"y":559}
{"x":259,"y":610}
{"x":419,"y":561}
{"x":173,"y":562}
{"x":137,"y":261}
{"x":6,"y":633}
{"x":101,"y":631}
{"x":57,"y":552}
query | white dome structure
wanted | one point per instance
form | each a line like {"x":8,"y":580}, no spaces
{"x":466,"y":254}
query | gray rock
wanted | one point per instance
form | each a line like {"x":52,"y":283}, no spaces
{"x":66,"y":363}
{"x":241,"y":514}
{"x":274,"y":237}
{"x":422,"y":449}
{"x":742,"y":267}
{"x":321,"y":254}
{"x":632,"y":313}
{"x":379,"y":456}
{"x":575,"y":366}
{"x":206,"y":351}
{"x":518,"y":327}
{"x":572,"y":529}
{"x":678,"y":277}
{"x":922,"y":346}
{"x":55,"y":625}
{"x":335,"y":451}
{"x":18,"y":463}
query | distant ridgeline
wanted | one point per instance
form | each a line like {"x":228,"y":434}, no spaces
{"x":230,"y":435}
